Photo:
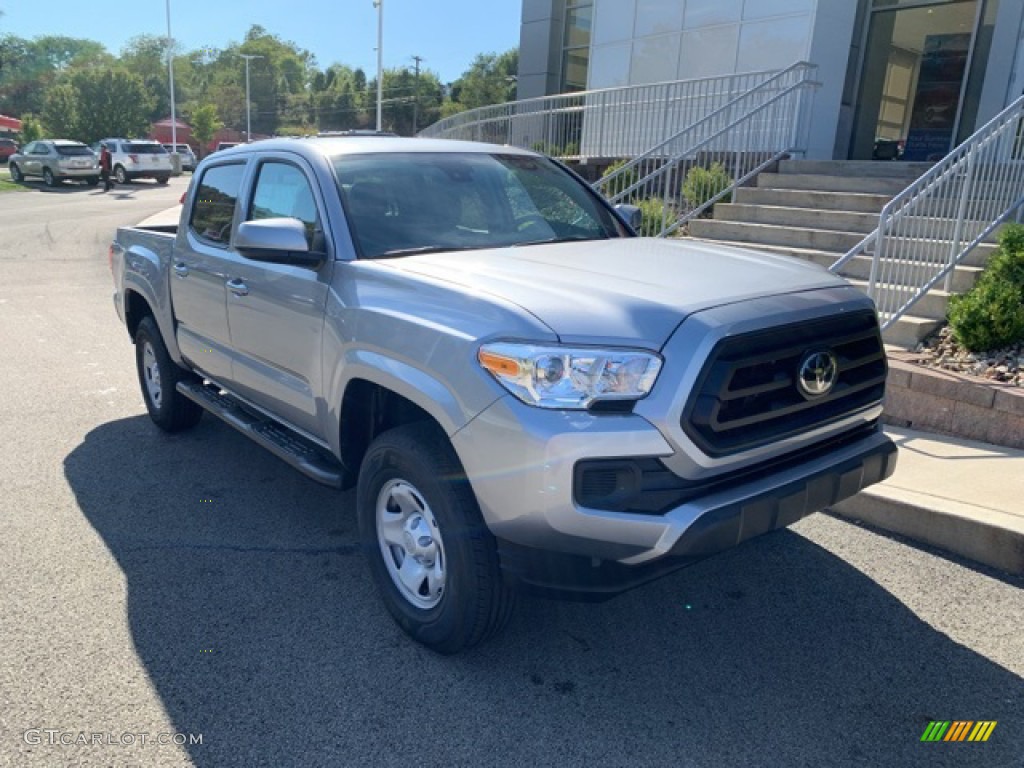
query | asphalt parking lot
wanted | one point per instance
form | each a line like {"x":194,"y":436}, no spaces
{"x":157,"y":590}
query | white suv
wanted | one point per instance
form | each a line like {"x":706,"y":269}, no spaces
{"x":138,"y":159}
{"x":188,"y":157}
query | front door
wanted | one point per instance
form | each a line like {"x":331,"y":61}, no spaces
{"x":915,"y":98}
{"x":276,"y":310}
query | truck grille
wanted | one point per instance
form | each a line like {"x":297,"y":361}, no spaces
{"x":749,"y":393}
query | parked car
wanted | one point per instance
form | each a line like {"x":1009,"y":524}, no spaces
{"x":188,"y":157}
{"x":55,"y":160}
{"x":7,"y":148}
{"x":525,"y":393}
{"x":137,"y":159}
{"x":226,"y":145}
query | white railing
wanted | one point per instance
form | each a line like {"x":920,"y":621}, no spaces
{"x":687,"y":172}
{"x":607,"y":123}
{"x":928,"y":229}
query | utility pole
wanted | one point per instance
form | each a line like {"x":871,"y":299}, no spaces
{"x":170,"y":76}
{"x":416,"y":95}
{"x":248,"y":108}
{"x":379,"y":5}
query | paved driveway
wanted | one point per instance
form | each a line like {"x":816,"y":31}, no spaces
{"x":195,"y":585}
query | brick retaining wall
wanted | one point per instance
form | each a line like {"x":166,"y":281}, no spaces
{"x":953,"y":404}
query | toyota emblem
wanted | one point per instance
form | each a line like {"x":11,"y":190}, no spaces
{"x":817,"y":374}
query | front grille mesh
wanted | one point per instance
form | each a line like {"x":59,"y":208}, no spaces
{"x":747,"y":394}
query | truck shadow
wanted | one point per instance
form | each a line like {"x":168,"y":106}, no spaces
{"x":252,"y":611}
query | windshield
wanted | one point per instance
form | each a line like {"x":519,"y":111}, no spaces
{"x":73,"y":150}
{"x":411,"y":202}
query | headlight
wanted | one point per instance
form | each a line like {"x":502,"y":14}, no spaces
{"x":570,"y":377}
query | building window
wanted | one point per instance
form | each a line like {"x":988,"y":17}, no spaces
{"x":576,"y":45}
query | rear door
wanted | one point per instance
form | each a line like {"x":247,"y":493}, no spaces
{"x":276,"y":310}
{"x":199,"y":271}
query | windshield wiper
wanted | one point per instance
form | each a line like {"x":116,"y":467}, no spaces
{"x":566,"y":239}
{"x":396,"y":252}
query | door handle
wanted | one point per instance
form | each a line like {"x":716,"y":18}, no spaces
{"x":237,"y":287}
{"x":181,"y":269}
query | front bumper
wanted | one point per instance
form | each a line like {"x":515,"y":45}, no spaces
{"x":522,"y":475}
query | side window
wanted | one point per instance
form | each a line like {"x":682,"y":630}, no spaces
{"x":283,"y":191}
{"x":214,"y":206}
{"x":29,"y":149}
{"x":40,"y":149}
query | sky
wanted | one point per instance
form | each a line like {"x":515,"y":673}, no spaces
{"x":448,"y":34}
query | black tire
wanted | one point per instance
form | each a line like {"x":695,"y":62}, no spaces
{"x":475,"y":602}
{"x":169,"y":409}
{"x":92,"y":181}
{"x":16,"y":174}
{"x":120,"y":175}
{"x":162,"y":179}
{"x":48,"y":178}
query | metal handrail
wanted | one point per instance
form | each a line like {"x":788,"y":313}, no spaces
{"x":685,"y":174}
{"x":929,"y":228}
{"x":602,"y":123}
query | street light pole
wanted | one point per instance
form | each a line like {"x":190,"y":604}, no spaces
{"x":379,"y":5}
{"x":170,"y":76}
{"x":248,"y":108}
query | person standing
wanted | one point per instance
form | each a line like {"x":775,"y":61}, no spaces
{"x":105,"y":160}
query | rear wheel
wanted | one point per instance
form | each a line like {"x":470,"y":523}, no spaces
{"x":92,"y":181}
{"x":159,"y":377}
{"x":162,"y":179}
{"x":48,"y":178}
{"x":16,"y":174}
{"x":120,"y":175}
{"x":431,"y":555}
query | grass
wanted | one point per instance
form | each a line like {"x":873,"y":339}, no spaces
{"x":6,"y":185}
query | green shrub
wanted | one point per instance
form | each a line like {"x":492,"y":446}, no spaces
{"x":620,"y":183}
{"x":702,"y":184}
{"x":655,"y":216}
{"x":991,"y":314}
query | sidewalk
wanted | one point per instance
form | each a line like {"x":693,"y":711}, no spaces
{"x":958,"y":495}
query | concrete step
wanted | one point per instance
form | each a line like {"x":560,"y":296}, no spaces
{"x":855,"y":202}
{"x":910,"y":330}
{"x":840,"y":221}
{"x":932,"y":306}
{"x":773,"y":234}
{"x":906,"y":273}
{"x":976,"y":258}
{"x":825,"y":183}
{"x":861,"y":168}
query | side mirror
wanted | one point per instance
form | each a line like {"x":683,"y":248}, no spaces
{"x":276,"y":240}
{"x":630,"y":214}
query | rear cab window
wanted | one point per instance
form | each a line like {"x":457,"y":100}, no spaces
{"x":214,"y":208}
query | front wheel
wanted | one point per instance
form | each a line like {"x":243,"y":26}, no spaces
{"x":120,"y":175}
{"x":159,"y":377}
{"x":16,"y":174}
{"x":430,"y":553}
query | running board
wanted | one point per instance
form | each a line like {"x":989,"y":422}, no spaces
{"x":310,"y":459}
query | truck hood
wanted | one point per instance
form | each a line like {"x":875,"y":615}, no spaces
{"x":633,"y":291}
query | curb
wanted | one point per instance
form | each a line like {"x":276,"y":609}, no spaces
{"x":986,"y":537}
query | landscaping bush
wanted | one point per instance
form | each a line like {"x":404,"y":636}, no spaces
{"x":624,"y":181}
{"x":702,"y":184}
{"x":991,"y":314}
{"x":654,"y":216}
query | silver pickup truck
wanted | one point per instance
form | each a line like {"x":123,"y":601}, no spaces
{"x":527,"y":395}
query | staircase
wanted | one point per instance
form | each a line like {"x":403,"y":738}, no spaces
{"x":820,"y":210}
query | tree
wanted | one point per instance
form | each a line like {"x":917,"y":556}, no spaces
{"x":205,"y":124}
{"x":487,"y":80}
{"x":146,"y":57}
{"x":31,"y":129}
{"x":60,"y":111}
{"x":111,"y":103}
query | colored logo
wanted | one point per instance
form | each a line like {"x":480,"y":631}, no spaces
{"x":958,"y":730}
{"x":817,"y":374}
